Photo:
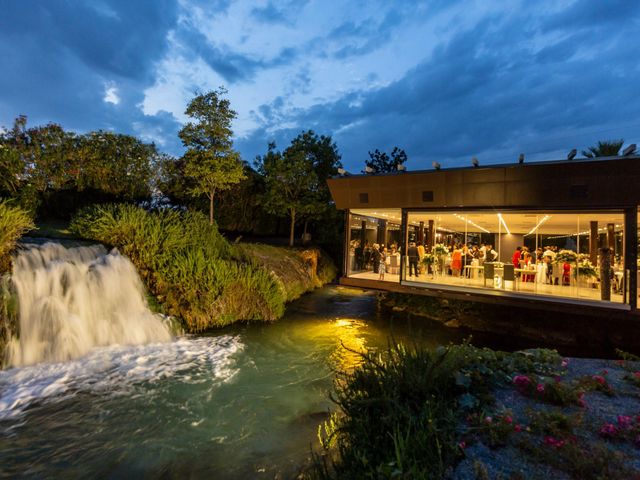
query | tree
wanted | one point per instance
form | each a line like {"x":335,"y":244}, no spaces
{"x":380,"y":162}
{"x":291,"y":184}
{"x":323,"y":154}
{"x":210,"y":159}
{"x":606,"y":148}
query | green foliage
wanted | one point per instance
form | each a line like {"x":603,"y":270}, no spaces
{"x":292,"y":186}
{"x":210,"y":161}
{"x":14,"y":222}
{"x":380,"y":162}
{"x":606,"y":148}
{"x":191,"y":269}
{"x":56,"y":171}
{"x":399,"y":411}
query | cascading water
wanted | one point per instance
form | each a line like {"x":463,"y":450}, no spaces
{"x":73,"y":299}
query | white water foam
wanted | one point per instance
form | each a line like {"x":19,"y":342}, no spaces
{"x":72,"y":300}
{"x":117,"y":370}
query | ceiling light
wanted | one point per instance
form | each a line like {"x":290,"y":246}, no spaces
{"x":544,"y":219}
{"x":504,"y":224}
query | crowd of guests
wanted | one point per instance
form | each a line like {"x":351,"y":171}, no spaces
{"x":541,"y":260}
{"x":376,"y":257}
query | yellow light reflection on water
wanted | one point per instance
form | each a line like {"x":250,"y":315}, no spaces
{"x":350,"y":343}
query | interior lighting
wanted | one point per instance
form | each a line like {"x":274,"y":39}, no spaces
{"x":504,"y":224}
{"x":471,"y":223}
{"x":544,"y":219}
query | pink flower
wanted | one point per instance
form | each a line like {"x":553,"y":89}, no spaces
{"x":488,"y":419}
{"x":565,"y":362}
{"x":608,"y":430}
{"x":605,"y":372}
{"x":624,"y":421}
{"x":540,"y":388}
{"x":521,"y":380}
{"x":508,"y":419}
{"x":554,"y":442}
{"x":462,"y":445}
{"x":518,"y":428}
{"x":600,"y":379}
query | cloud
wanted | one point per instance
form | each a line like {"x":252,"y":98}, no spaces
{"x":490,"y":90}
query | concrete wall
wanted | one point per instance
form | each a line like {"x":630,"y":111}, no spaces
{"x":508,"y":244}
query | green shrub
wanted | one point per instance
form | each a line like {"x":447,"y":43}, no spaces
{"x":14,"y":222}
{"x":193,"y":271}
{"x":400,"y":412}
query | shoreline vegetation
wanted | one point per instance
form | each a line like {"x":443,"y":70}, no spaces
{"x":461,"y":412}
{"x":195,"y":274}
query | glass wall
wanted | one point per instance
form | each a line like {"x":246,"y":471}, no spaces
{"x":579,"y":255}
{"x":374,"y":244}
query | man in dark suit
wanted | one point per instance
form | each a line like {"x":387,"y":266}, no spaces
{"x":412,"y":254}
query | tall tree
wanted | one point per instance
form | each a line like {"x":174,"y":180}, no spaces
{"x":210,"y":159}
{"x":380,"y":162}
{"x":606,"y":148}
{"x":291,"y":185}
{"x":323,"y":154}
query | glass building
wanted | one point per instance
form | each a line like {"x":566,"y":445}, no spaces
{"x":556,"y":231}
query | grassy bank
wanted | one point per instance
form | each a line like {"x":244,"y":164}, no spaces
{"x":463,"y":412}
{"x":194,"y":272}
{"x":14,"y":222}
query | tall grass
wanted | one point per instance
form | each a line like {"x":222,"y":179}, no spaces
{"x":192,"y":270}
{"x":399,"y":411}
{"x":14,"y":222}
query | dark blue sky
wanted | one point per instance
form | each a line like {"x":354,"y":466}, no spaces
{"x":444,"y":80}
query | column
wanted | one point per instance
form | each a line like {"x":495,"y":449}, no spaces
{"x":382,"y":232}
{"x":431,"y":236}
{"x":593,"y":241}
{"x":404,"y":232}
{"x":631,"y":255}
{"x":611,"y":237}
{"x":421,"y":233}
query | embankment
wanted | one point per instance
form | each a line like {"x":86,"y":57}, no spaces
{"x":195,"y":274}
{"x":575,"y":333}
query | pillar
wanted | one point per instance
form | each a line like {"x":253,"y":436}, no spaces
{"x":631,"y":255}
{"x":382,"y":232}
{"x":605,"y":273}
{"x":431,"y":236}
{"x":593,"y":241}
{"x":611,"y":237}
{"x":421,"y":233}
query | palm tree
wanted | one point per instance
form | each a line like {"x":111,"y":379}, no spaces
{"x":607,"y":148}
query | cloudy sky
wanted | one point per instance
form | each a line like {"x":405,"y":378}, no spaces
{"x":445,"y":80}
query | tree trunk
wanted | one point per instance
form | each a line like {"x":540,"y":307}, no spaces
{"x":293,"y":222}
{"x":211,"y":208}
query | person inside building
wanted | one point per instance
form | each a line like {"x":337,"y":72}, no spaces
{"x":515,"y":259}
{"x":414,"y":257}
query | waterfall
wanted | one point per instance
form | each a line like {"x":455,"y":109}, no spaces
{"x":73,"y":299}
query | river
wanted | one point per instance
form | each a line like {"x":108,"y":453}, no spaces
{"x":244,"y":402}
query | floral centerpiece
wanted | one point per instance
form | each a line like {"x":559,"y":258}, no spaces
{"x":568,"y":256}
{"x":429,"y":259}
{"x":439,"y":250}
{"x":585,"y":268}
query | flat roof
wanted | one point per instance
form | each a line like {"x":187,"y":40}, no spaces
{"x":601,"y":182}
